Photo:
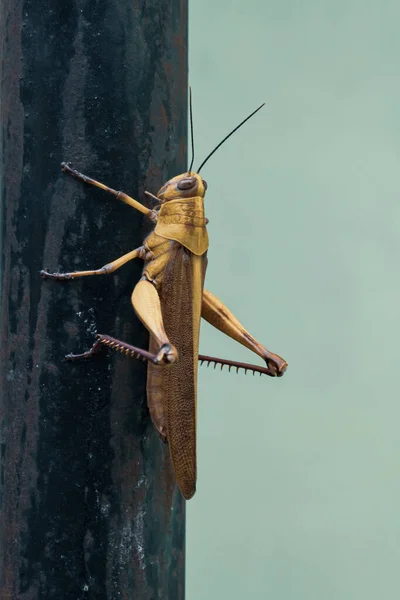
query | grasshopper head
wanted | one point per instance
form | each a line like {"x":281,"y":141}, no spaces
{"x":186,"y":185}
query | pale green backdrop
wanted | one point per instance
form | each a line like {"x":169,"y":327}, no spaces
{"x":299,"y":484}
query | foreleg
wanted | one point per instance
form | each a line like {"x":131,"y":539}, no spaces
{"x":119,"y":195}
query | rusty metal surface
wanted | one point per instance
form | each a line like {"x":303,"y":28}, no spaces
{"x":89,"y":506}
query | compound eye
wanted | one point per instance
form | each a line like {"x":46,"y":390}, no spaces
{"x":186,"y":184}
{"x":205,"y":185}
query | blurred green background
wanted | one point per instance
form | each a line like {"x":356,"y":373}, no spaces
{"x":299,"y":488}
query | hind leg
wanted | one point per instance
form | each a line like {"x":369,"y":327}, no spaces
{"x":218,"y":315}
{"x":146,"y":303}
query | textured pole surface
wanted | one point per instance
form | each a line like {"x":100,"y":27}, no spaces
{"x":89,"y":506}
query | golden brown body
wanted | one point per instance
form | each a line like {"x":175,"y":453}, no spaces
{"x":178,"y":276}
{"x":175,"y":263}
{"x":170,"y":300}
{"x":172,"y":391}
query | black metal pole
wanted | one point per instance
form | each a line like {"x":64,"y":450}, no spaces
{"x":89,"y":506}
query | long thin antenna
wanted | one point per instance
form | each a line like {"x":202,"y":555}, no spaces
{"x":228,"y":136}
{"x":191,"y":127}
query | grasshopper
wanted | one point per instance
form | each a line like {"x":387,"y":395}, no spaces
{"x":170,"y":300}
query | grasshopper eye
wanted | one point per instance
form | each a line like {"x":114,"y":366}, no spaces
{"x":186,"y":184}
{"x":205,"y":184}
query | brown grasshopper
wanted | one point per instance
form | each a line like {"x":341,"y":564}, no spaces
{"x":170,"y":299}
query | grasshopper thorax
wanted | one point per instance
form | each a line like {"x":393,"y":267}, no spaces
{"x":186,"y":185}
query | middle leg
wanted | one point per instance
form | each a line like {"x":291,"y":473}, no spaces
{"x":106,"y":270}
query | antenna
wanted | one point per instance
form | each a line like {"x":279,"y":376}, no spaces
{"x":228,"y":136}
{"x":191,"y":127}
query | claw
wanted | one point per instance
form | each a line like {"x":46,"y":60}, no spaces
{"x":66,"y":166}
